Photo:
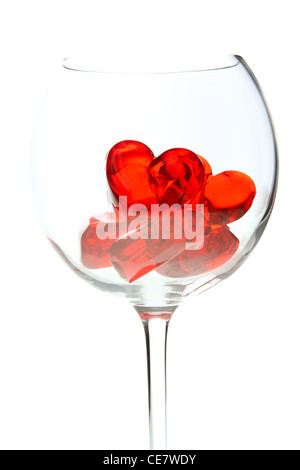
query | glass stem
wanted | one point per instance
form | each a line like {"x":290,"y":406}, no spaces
{"x":156,"y":330}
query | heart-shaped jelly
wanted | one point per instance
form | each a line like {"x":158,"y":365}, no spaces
{"x":127,"y":173}
{"x":176,"y":176}
{"x":229,"y":195}
{"x":133,"y":258}
{"x":95,"y":252}
{"x":219,"y":246}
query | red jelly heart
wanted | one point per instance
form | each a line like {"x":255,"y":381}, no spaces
{"x":135,"y":258}
{"x":207,"y":167}
{"x":229,"y":195}
{"x":127,"y":173}
{"x":208,"y":172}
{"x":95,"y":252}
{"x":219,"y":246}
{"x":178,"y":175}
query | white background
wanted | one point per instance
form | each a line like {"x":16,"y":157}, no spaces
{"x":72,"y":360}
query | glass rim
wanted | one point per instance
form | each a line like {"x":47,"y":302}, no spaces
{"x":206,"y":64}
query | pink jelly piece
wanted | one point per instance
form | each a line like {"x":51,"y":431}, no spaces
{"x":95,"y":252}
{"x":219,"y":246}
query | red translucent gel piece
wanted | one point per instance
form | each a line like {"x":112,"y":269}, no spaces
{"x":127,"y":173}
{"x":207,"y":167}
{"x":178,"y":175}
{"x":95,"y":252}
{"x":228,"y":196}
{"x":134,"y":258}
{"x":199,"y":199}
{"x":219,"y":246}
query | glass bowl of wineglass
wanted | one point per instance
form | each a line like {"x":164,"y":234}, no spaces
{"x":154,"y":185}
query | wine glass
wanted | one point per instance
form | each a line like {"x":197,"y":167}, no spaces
{"x":197,"y":146}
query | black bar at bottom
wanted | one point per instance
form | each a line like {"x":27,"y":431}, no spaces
{"x":107,"y":458}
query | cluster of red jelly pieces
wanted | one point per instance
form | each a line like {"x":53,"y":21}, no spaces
{"x":177,"y":176}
